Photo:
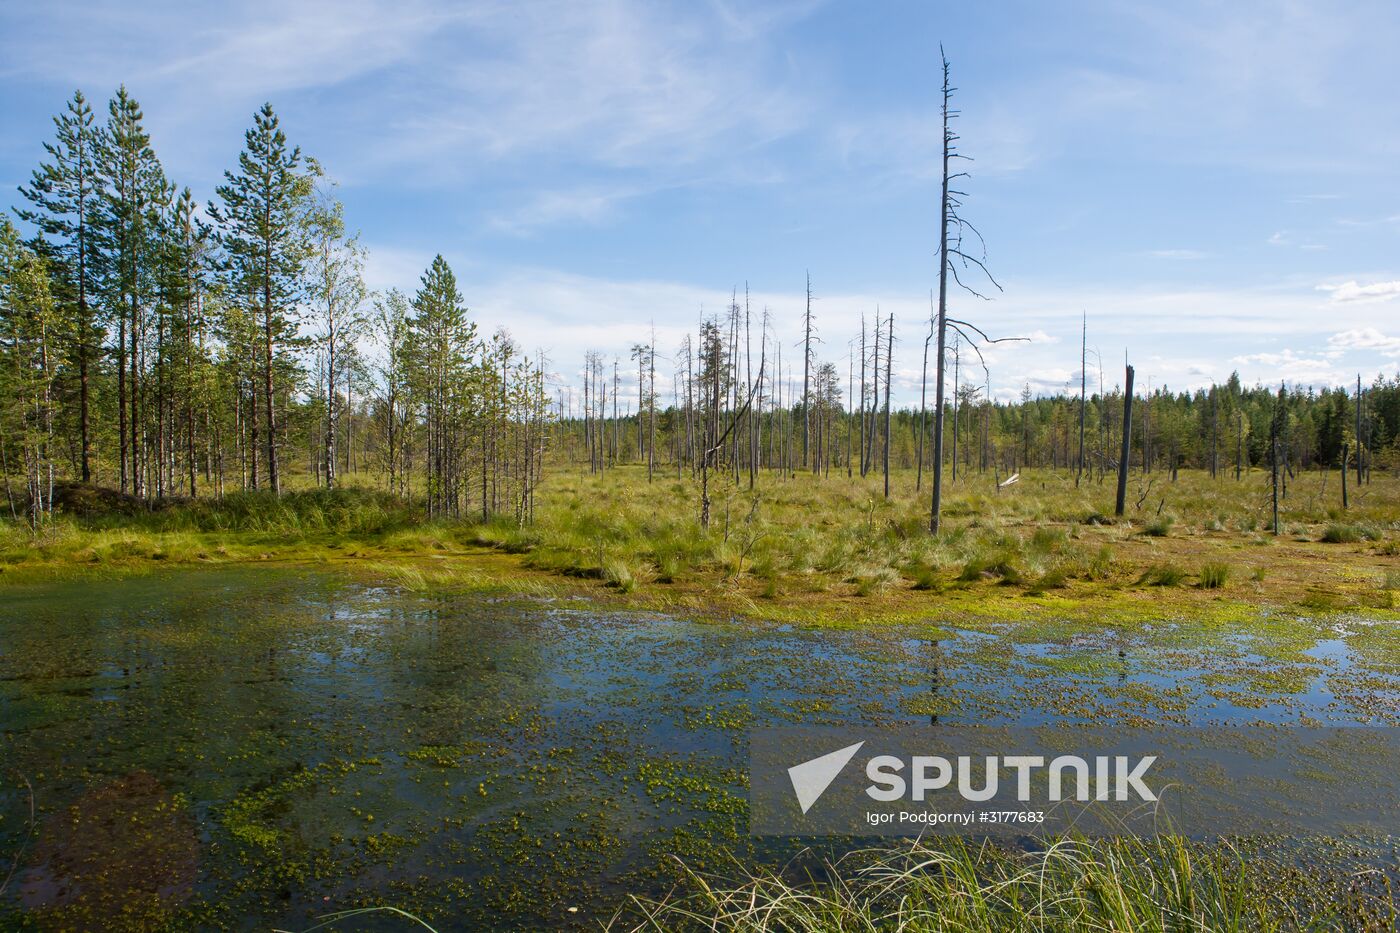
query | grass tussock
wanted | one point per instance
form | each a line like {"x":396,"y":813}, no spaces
{"x":1214,"y":575}
{"x":1349,"y":533}
{"x":1150,"y":886}
{"x":1163,"y":575}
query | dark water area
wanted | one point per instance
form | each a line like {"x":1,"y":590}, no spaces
{"x":251,"y":748}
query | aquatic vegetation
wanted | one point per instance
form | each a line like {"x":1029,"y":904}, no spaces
{"x":439,"y":745}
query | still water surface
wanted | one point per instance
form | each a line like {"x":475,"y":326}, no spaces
{"x":248,"y":748}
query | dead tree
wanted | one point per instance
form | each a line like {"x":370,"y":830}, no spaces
{"x":1273,"y":467}
{"x":718,"y":446}
{"x":951,"y":255}
{"x":1127,"y":441}
{"x":1083,"y":389}
{"x":923,"y":398}
{"x":889,"y":370}
{"x":806,"y":374}
{"x":1345,"y":451}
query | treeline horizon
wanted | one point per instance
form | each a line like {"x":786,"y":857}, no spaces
{"x":169,"y":350}
{"x":1223,"y":429}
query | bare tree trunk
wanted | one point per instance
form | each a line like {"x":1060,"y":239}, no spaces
{"x":1126,"y":449}
{"x":923,"y":409}
{"x":1083,"y":391}
{"x":942,"y":328}
{"x":889,"y":370}
{"x":1344,"y":475}
{"x":806,"y":374}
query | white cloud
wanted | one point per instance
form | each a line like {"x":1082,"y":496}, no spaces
{"x":565,"y":314}
{"x":1354,"y":292}
{"x":1293,"y":368}
{"x":1365,"y":338}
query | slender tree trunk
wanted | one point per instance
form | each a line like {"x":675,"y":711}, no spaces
{"x":1126,"y":449}
{"x":1083,"y":391}
{"x":889,"y":370}
{"x":806,"y":372}
{"x":274,"y":479}
{"x":937,"y":505}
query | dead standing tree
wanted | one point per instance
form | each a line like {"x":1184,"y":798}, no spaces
{"x":806,"y":378}
{"x":713,"y":374}
{"x":951,"y":255}
{"x":1126,"y":452}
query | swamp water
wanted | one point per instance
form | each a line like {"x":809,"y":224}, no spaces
{"x":250,"y":748}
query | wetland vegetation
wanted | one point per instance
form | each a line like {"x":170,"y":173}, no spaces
{"x":316,"y":603}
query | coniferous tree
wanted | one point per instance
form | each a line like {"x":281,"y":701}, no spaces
{"x":441,"y":343}
{"x":134,"y":188}
{"x":260,"y":216}
{"x":66,"y":199}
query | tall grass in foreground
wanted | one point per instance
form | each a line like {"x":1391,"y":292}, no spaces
{"x":1159,"y":884}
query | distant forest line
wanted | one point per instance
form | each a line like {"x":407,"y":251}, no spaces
{"x":168,"y":348}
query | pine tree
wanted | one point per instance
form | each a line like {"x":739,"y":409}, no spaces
{"x":133,"y":189}
{"x":187,"y":248}
{"x":64,"y":192}
{"x":265,"y":244}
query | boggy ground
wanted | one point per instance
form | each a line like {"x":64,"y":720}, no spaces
{"x":824,"y":550}
{"x":1288,"y":629}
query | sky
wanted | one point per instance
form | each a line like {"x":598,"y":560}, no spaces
{"x":1215,"y":185}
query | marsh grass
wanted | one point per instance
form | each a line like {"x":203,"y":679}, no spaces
{"x":1350,"y":533}
{"x":1163,"y":575}
{"x":797,"y":538}
{"x":1159,"y":527}
{"x":1149,"y":885}
{"x":1214,"y":575}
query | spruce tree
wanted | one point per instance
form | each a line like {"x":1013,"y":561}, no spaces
{"x":441,"y":344}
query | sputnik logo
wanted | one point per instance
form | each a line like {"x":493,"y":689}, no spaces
{"x":811,"y":778}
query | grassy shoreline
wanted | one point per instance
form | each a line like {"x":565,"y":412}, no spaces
{"x":820,"y":551}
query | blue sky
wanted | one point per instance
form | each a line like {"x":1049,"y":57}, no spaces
{"x":1216,"y":184}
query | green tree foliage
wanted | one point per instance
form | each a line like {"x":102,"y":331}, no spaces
{"x":134,"y":192}
{"x":443,"y":381}
{"x":66,"y":199}
{"x":30,"y":329}
{"x":264,"y":239}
